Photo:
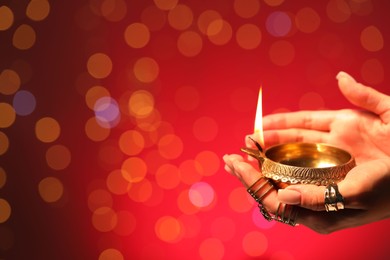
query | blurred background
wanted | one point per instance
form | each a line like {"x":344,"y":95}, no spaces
{"x":115,"y":115}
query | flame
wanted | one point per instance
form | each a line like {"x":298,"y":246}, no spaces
{"x":259,"y":120}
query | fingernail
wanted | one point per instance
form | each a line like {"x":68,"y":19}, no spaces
{"x":340,"y":75}
{"x":291,"y":197}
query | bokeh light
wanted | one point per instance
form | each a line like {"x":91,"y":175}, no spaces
{"x":58,"y":157}
{"x":113,"y":10}
{"x":5,"y":210}
{"x":9,"y":82}
{"x":104,"y":219}
{"x":38,"y":10}
{"x":24,"y":102}
{"x":8,"y":115}
{"x":201,"y":194}
{"x":134,"y":169}
{"x":146,"y":69}
{"x":219,"y":32}
{"x":7,"y":18}
{"x":95,"y":131}
{"x":278,"y":24}
{"x":4,"y":144}
{"x":205,"y":129}
{"x":24,"y":37}
{"x":248,"y":36}
{"x":189,"y":43}
{"x":338,"y":11}
{"x":371,"y":39}
{"x":107,"y":112}
{"x":307,"y":20}
{"x":111,"y":254}
{"x":255,"y":244}
{"x":166,"y":4}
{"x":211,"y":249}
{"x":47,"y":129}
{"x":50,"y":189}
{"x":180,"y":17}
{"x":137,"y":35}
{"x":169,"y":229}
{"x":246,"y":8}
{"x":3,"y":177}
{"x":99,"y":65}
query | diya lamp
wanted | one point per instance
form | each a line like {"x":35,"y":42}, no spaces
{"x":299,"y":163}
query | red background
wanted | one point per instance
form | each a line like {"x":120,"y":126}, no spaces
{"x":206,"y":102}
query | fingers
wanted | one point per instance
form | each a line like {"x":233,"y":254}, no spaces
{"x":364,"y":97}
{"x":305,"y":195}
{"x":273,"y":137}
{"x":313,"y":120}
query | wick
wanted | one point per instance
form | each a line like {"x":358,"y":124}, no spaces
{"x":257,"y":144}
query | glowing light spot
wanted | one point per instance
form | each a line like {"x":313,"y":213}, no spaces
{"x":107,"y":112}
{"x":180,"y":17}
{"x":8,"y":115}
{"x":104,"y":219}
{"x":24,"y":37}
{"x":373,"y":71}
{"x":38,"y":10}
{"x":7,"y":18}
{"x":150,"y":124}
{"x":239,"y":200}
{"x":371,"y":39}
{"x":58,"y":157}
{"x":24,"y":102}
{"x":141,"y":191}
{"x":153,"y":17}
{"x":167,"y":176}
{"x":211,"y":249}
{"x":116,"y":183}
{"x":191,"y":225}
{"x":248,"y":36}
{"x":205,"y":129}
{"x":4,"y":144}
{"x":3,"y":177}
{"x":259,"y":221}
{"x":185,"y":205}
{"x":246,"y":8}
{"x":278,"y":24}
{"x":94,"y":94}
{"x":361,"y":7}
{"x":137,"y":35}
{"x":219,"y":32}
{"x":126,"y":223}
{"x":189,"y":43}
{"x":95,"y":131}
{"x":99,"y":198}
{"x":338,"y":11}
{"x":146,"y":70}
{"x":166,"y":4}
{"x":170,"y":146}
{"x":282,"y":53}
{"x":141,"y":103}
{"x":111,"y":254}
{"x":134,"y":169}
{"x":5,"y":210}
{"x":201,"y":194}
{"x":131,"y":142}
{"x":47,"y":129}
{"x":223,"y":228}
{"x":99,"y":65}
{"x":190,"y":171}
{"x":311,"y":101}
{"x":307,"y":20}
{"x":168,"y":229}
{"x":187,"y":98}
{"x":113,"y":10}
{"x":9,"y":82}
{"x":206,"y":18}
{"x":273,"y":2}
{"x":255,"y":244}
{"x":210,"y":162}
{"x":50,"y":189}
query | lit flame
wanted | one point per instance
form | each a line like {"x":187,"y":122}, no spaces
{"x":259,"y":120}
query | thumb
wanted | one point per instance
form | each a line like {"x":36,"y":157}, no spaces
{"x":305,"y":195}
{"x":364,"y":97}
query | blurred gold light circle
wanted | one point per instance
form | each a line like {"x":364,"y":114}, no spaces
{"x":166,"y":4}
{"x":96,"y":132}
{"x":189,"y":43}
{"x":111,"y":254}
{"x":168,"y":229}
{"x":273,"y":2}
{"x":137,"y":35}
{"x":113,"y":10}
{"x":95,"y":93}
{"x":9,"y":82}
{"x":58,"y":157}
{"x":207,"y":17}
{"x":248,"y":36}
{"x":50,"y":189}
{"x":47,"y":129}
{"x":99,"y":65}
{"x":5,"y":210}
{"x":3,"y":177}
{"x":371,"y":39}
{"x":8,"y":115}
{"x":338,"y":11}
{"x":141,"y":103}
{"x":104,"y":219}
{"x":246,"y":8}
{"x":7,"y":18}
{"x":24,"y":37}
{"x":180,"y":17}
{"x":307,"y":20}
{"x":146,"y":69}
{"x":131,"y":142}
{"x":38,"y":10}
{"x":219,"y":32}
{"x":4,"y":144}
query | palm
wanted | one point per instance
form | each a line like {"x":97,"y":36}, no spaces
{"x":361,"y":132}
